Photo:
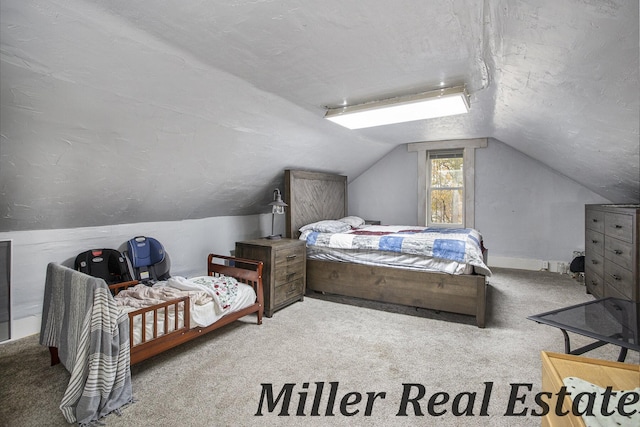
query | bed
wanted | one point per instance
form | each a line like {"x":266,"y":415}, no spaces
{"x":164,"y":330}
{"x":314,"y":197}
{"x":97,"y":331}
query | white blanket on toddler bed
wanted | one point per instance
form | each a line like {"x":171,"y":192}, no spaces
{"x":208,"y":303}
{"x":222,"y":290}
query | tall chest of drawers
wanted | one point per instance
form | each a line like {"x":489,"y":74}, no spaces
{"x":283,"y":272}
{"x":612,"y":255}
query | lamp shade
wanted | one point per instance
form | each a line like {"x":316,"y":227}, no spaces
{"x":277,"y":205}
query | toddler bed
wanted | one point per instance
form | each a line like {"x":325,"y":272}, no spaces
{"x":203,"y":304}
{"x":203,"y":300}
{"x":362,"y":270}
{"x":97,"y":335}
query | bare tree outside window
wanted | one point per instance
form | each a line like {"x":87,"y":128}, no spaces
{"x":446,"y":188}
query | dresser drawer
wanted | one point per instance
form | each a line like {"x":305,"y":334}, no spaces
{"x":618,"y":251}
{"x":594,"y":282}
{"x":612,"y":250}
{"x":619,"y":226}
{"x":620,"y":278}
{"x":594,"y":242}
{"x":595,"y":262}
{"x":612,"y":292}
{"x":594,"y":220}
{"x":289,"y":291}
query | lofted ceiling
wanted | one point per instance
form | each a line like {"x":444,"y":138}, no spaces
{"x":119,"y":111}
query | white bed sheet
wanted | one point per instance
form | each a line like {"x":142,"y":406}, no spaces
{"x":390,"y":259}
{"x":200,"y":314}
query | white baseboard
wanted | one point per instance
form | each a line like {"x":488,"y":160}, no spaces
{"x":553,"y":266}
{"x":21,"y":328}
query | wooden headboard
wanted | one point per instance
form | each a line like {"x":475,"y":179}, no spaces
{"x":313,"y":196}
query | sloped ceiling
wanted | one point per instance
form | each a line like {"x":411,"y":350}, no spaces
{"x":119,"y":111}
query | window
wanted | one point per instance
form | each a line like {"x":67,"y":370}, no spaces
{"x":446,"y":182}
{"x":445,"y":188}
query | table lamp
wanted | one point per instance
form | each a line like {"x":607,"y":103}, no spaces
{"x":277,"y":207}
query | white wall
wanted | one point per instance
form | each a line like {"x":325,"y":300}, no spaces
{"x":526,"y":212}
{"x":188,"y":244}
{"x":388,"y":190}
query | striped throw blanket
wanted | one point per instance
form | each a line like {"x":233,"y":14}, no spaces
{"x":80,"y":318}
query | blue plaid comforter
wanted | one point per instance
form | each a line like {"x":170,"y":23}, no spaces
{"x":463,"y":245}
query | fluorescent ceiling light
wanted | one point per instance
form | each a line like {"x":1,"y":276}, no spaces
{"x":427,"y":105}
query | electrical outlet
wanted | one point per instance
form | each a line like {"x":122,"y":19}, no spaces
{"x":562,"y":268}
{"x":545,"y":265}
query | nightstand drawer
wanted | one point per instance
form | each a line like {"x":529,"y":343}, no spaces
{"x":288,"y":276}
{"x":289,"y":291}
{"x":290,"y":264}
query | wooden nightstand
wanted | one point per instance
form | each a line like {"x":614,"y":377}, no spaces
{"x":284,"y":270}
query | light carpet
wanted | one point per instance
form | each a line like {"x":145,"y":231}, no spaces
{"x":374,"y":351}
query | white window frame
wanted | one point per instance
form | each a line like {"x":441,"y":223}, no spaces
{"x":431,"y":154}
{"x":468,"y":147}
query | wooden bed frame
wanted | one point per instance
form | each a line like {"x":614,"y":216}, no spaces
{"x":314,"y":196}
{"x":244,"y":270}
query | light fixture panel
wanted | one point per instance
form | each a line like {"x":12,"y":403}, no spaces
{"x":427,"y":105}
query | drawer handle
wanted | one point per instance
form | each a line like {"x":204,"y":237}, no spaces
{"x":594,"y":283}
{"x":616,"y":277}
{"x":291,"y":256}
{"x":618,"y":226}
{"x":617,"y":252}
{"x":594,"y":241}
{"x":594,"y":262}
{"x":595,"y":220}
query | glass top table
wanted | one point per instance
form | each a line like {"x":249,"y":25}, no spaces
{"x":607,"y":320}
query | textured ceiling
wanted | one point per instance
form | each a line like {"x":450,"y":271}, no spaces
{"x":127,"y":111}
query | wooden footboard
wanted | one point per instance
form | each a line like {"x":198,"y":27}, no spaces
{"x":462,"y":294}
{"x":244,"y":270}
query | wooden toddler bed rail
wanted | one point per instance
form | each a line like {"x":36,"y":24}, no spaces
{"x":174,"y":332}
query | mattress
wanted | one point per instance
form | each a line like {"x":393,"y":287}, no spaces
{"x":389,"y":259}
{"x":452,"y":251}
